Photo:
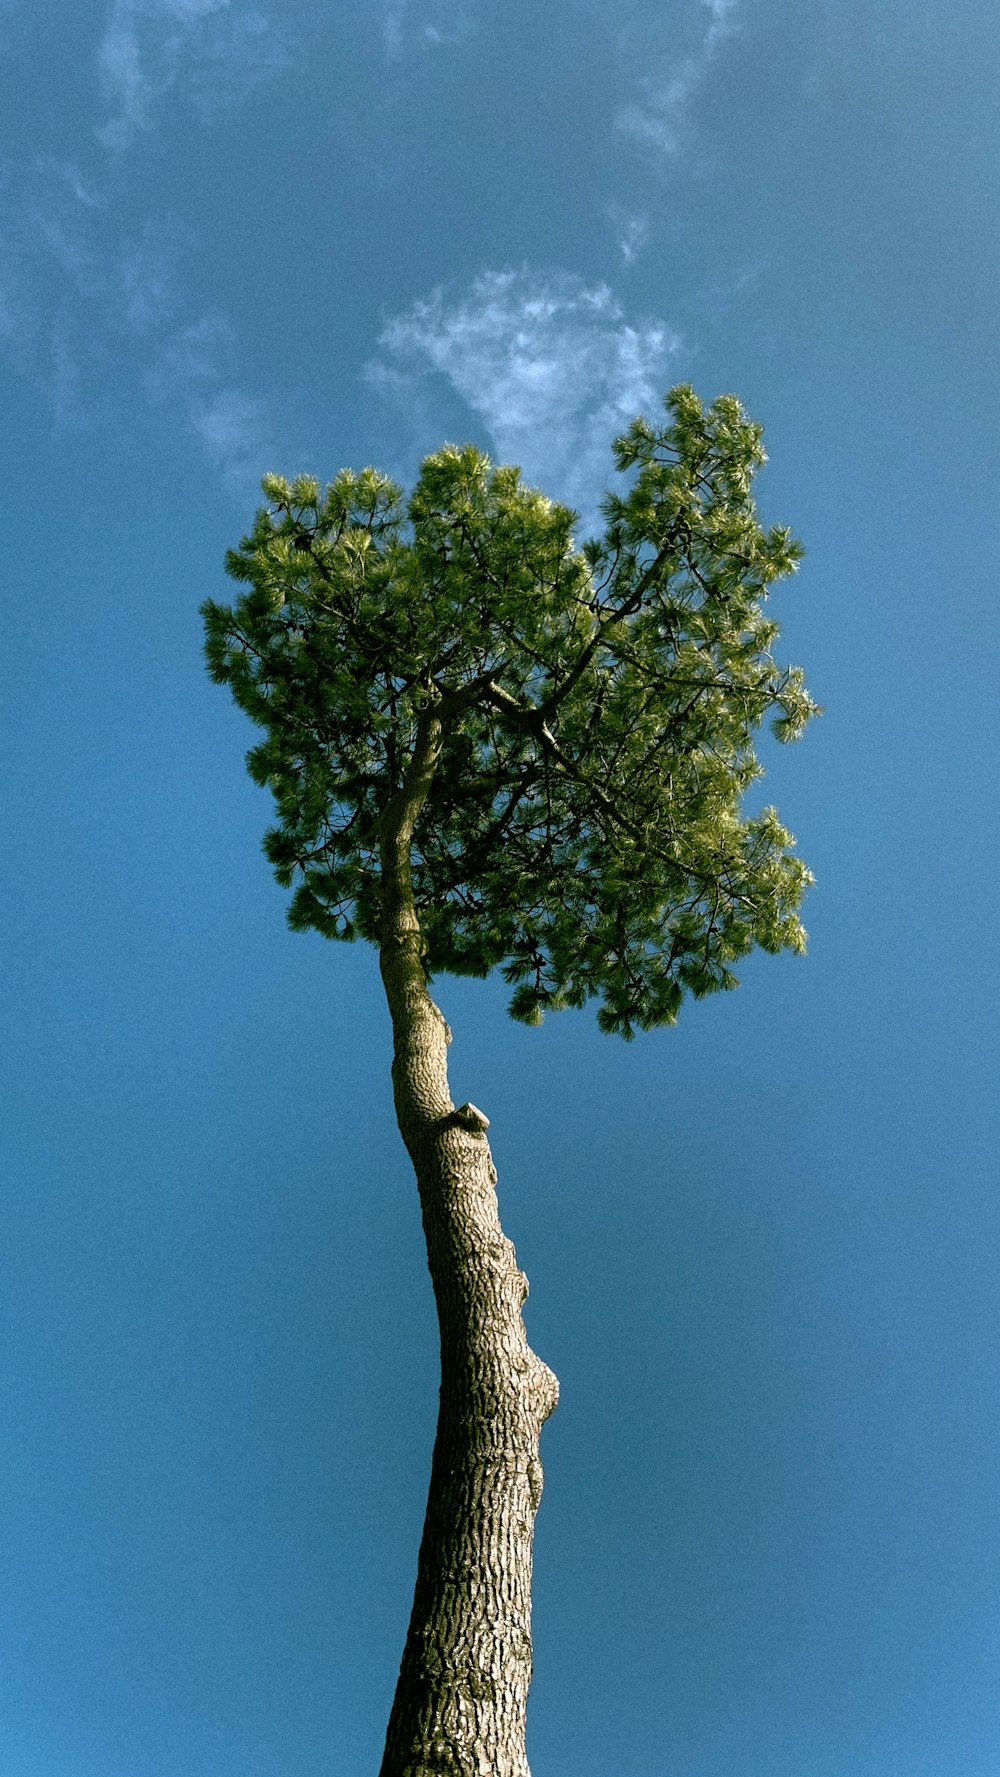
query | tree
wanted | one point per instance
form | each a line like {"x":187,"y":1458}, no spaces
{"x":489,"y":749}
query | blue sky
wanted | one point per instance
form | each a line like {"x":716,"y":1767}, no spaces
{"x":763,"y":1246}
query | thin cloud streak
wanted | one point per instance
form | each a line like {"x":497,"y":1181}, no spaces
{"x":657,"y":117}
{"x":230,"y":425}
{"x":550,"y":367}
{"x":84,"y":305}
{"x":439,"y":25}
{"x":88,"y":306}
{"x":392,"y":29}
{"x":208,"y":51}
{"x":632,"y":233}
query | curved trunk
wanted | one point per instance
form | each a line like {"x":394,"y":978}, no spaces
{"x":460,"y":1701}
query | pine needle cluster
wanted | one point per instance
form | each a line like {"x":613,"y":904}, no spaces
{"x":583,"y":831}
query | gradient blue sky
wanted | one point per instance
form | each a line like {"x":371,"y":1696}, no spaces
{"x":763,"y":1246}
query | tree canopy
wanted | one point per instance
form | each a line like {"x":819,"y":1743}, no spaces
{"x":583,"y":831}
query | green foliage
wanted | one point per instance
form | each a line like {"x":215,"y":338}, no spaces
{"x":583,"y":829}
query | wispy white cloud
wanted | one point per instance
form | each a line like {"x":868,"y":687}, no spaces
{"x":656,"y":117}
{"x":551,"y":368}
{"x":86,"y":308}
{"x":631,"y":233}
{"x":91,"y":306}
{"x":51,"y":278}
{"x":233,"y":430}
{"x":190,"y":370}
{"x":392,"y":28}
{"x":210,"y":51}
{"x":145,"y":274}
{"x":407,"y":26}
{"x":83,"y":189}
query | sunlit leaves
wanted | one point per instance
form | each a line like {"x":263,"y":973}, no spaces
{"x":583,"y":831}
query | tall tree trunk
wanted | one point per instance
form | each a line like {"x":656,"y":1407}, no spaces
{"x":460,"y":1701}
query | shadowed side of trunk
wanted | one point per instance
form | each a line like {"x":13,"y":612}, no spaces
{"x":459,"y":1709}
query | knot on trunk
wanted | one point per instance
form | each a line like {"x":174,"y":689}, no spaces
{"x":469,"y":1116}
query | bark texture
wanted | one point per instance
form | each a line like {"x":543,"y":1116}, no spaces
{"x":459,"y":1708}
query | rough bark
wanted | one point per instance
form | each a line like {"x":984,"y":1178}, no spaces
{"x":460,"y":1701}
